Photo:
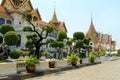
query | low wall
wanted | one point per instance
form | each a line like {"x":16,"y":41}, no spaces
{"x":21,"y":66}
{"x":7,"y":69}
{"x":43,"y":65}
{"x":61,"y":63}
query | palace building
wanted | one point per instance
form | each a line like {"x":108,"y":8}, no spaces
{"x":100,"y":40}
{"x":14,"y":11}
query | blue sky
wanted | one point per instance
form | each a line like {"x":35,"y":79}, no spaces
{"x":77,"y":15}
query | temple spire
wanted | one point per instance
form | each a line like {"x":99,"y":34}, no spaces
{"x":91,"y":19}
{"x":54,"y":18}
{"x":92,"y":28}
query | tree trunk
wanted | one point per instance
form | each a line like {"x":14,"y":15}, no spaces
{"x":37,"y":52}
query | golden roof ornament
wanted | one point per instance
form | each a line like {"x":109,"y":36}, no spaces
{"x":18,"y":3}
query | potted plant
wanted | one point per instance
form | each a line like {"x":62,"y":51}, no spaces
{"x":52,"y":63}
{"x":73,"y":58}
{"x":30,"y":64}
{"x":92,"y":58}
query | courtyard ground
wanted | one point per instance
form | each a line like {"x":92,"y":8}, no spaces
{"x":109,"y":70}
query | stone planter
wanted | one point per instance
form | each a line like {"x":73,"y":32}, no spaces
{"x":7,"y":69}
{"x":43,"y":65}
{"x":61,"y":63}
{"x":21,"y":66}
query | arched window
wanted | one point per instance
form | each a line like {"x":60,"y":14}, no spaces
{"x":9,"y":22}
{"x":2,"y":21}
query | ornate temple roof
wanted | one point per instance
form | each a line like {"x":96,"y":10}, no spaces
{"x":54,"y":18}
{"x":61,"y":26}
{"x":3,"y":9}
{"x":42,"y":23}
{"x":92,"y":28}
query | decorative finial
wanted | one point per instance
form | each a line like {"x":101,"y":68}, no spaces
{"x":91,"y":18}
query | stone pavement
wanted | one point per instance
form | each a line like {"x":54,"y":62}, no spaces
{"x":109,"y":70}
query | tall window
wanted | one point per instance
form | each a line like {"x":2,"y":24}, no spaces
{"x":2,"y":21}
{"x":9,"y":22}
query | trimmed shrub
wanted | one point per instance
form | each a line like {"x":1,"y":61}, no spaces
{"x":15,"y":54}
{"x":6,"y":28}
{"x":27,"y":28}
{"x":11,"y":38}
{"x":62,"y":35}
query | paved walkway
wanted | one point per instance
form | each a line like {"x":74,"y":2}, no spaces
{"x":109,"y":70}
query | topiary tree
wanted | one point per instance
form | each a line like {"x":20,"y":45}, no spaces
{"x":78,"y":35}
{"x":42,"y":34}
{"x":62,"y":35}
{"x":11,"y":38}
{"x":86,"y":45}
{"x":6,"y":28}
{"x":30,"y":46}
{"x":69,"y":44}
{"x":79,"y":45}
{"x":15,"y":54}
{"x":58,"y":45}
{"x":27,"y":28}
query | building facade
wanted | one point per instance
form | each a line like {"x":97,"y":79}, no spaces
{"x":100,"y":40}
{"x":14,"y":12}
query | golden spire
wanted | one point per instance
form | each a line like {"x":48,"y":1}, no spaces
{"x":92,"y":28}
{"x":54,"y":18}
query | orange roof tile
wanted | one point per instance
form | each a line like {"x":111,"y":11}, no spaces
{"x":42,"y":23}
{"x":3,"y":9}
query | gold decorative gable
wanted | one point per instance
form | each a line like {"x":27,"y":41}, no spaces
{"x":18,"y":3}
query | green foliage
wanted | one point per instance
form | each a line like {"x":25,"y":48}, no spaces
{"x":118,"y":51}
{"x":73,"y":58}
{"x":69,"y":42}
{"x":15,"y":54}
{"x":25,"y":53}
{"x":29,"y":44}
{"x":54,"y":44}
{"x":93,"y":52}
{"x":11,"y":38}
{"x":1,"y":39}
{"x":79,"y":44}
{"x":60,"y":44}
{"x":87,"y":41}
{"x":91,"y":57}
{"x":31,"y":61}
{"x":32,"y":37}
{"x":48,"y":29}
{"x":46,"y":54}
{"x":78,"y":35}
{"x":62,"y":35}
{"x":27,"y":28}
{"x":50,"y":40}
{"x":29,"y":17}
{"x":6,"y":28}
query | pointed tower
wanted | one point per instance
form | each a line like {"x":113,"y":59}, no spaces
{"x":58,"y":25}
{"x":91,"y":28}
{"x":92,"y":33}
{"x":54,"y":18}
